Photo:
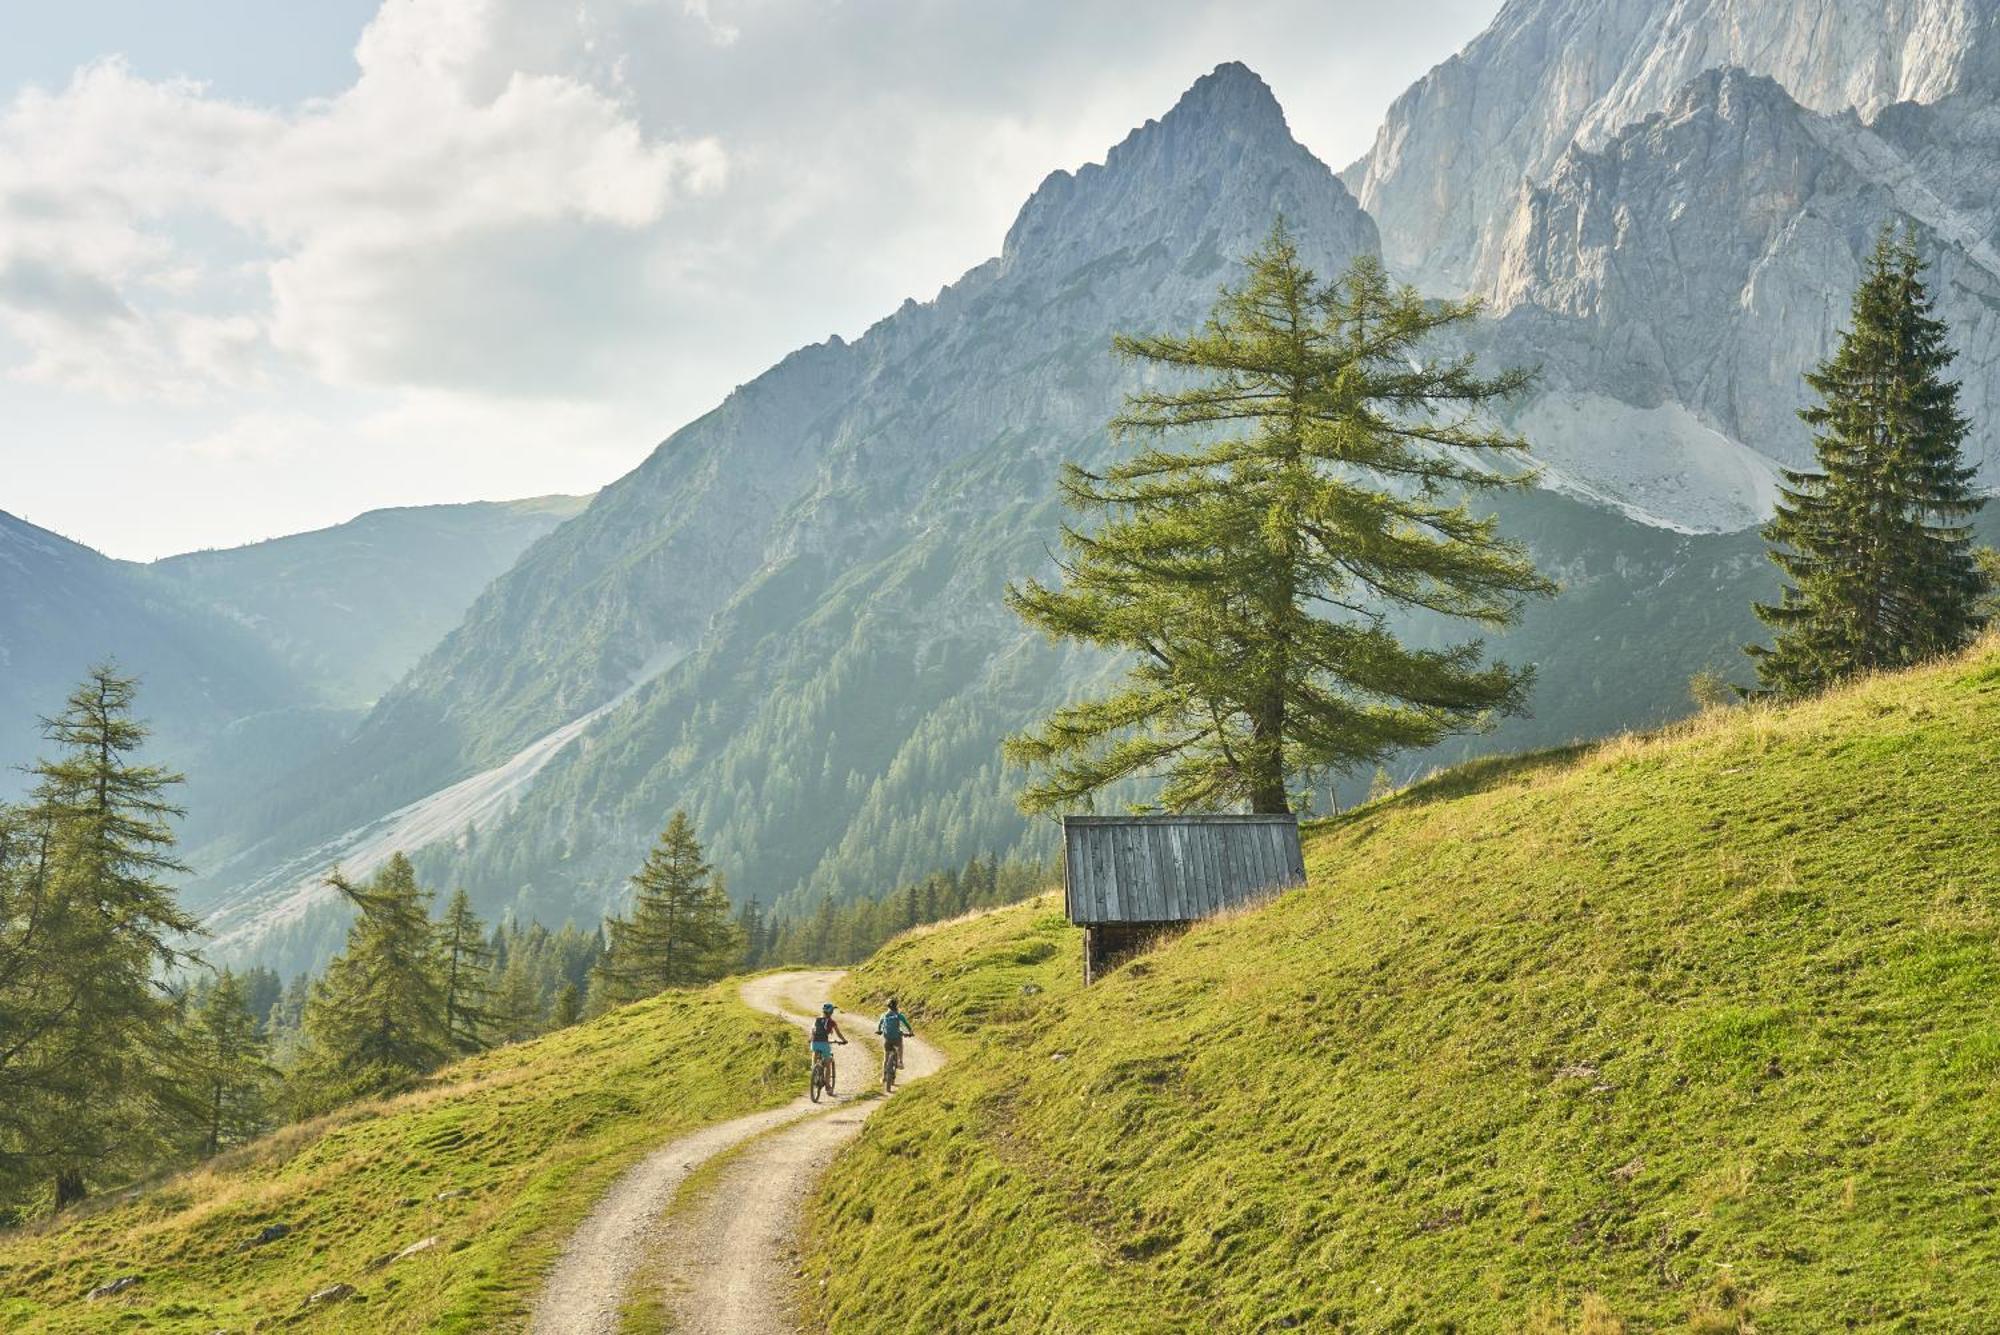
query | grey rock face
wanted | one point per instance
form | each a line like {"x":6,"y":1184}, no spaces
{"x":1705,"y":257}
{"x":1452,"y":154}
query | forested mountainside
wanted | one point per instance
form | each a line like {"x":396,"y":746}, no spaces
{"x":254,"y":659}
{"x":787,"y":619}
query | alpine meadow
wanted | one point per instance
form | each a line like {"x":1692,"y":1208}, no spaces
{"x":1399,"y":746}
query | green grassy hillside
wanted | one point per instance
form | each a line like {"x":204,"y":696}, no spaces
{"x":1692,"y":1032}
{"x":497,"y":1160}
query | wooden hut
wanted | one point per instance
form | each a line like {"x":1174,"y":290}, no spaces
{"x":1128,"y":879}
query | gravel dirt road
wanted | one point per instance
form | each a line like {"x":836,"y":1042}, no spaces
{"x":728,"y":1258}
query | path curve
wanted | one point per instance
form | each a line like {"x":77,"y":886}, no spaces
{"x":743,"y":1285}
{"x":730,"y":1259}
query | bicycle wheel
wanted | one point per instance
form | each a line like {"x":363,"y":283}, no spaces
{"x":889,"y":1071}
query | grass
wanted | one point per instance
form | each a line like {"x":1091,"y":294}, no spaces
{"x":1691,"y":1032}
{"x":530,"y":1134}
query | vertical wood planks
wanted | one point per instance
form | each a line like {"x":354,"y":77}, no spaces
{"x":1146,"y":869}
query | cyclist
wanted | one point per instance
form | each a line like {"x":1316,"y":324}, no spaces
{"x":892,"y":1026}
{"x":825,"y":1033}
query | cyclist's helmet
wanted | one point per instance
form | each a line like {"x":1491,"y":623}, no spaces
{"x":827,"y":1009}
{"x":893,"y":1005}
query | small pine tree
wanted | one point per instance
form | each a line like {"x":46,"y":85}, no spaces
{"x":750,"y":927}
{"x":224,"y":1073}
{"x":568,"y":1008}
{"x":1249,"y":573}
{"x":516,"y":1010}
{"x":1988,"y":608}
{"x":680,"y":932}
{"x":1874,"y":543}
{"x":468,"y":973}
{"x":376,"y":1017}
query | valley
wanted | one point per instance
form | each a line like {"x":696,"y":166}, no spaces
{"x":1565,"y":531}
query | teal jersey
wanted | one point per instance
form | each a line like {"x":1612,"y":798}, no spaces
{"x":893,"y":1025}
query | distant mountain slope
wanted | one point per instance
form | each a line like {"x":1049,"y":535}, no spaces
{"x":254,"y":661}
{"x":354,"y":606}
{"x":1686,"y":1033}
{"x":64,"y":607}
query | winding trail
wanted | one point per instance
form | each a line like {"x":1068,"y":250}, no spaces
{"x":728,"y":1259}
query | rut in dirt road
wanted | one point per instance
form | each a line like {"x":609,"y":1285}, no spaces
{"x":743,"y":1286}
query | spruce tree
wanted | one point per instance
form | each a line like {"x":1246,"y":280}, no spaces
{"x":1305,"y":477}
{"x":516,"y":1011}
{"x":750,"y":927}
{"x":223,"y":1073}
{"x":680,"y":932}
{"x":92,"y":928}
{"x":468,"y":973}
{"x":376,"y":1017}
{"x":1874,"y":542}
{"x":568,"y":1007}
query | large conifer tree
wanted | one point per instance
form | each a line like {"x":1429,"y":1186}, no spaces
{"x":1879,"y":565}
{"x":91,"y":927}
{"x":1315,"y":478}
{"x":680,"y":932}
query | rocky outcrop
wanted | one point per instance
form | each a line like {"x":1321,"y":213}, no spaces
{"x":1702,"y":259}
{"x":1449,"y":160}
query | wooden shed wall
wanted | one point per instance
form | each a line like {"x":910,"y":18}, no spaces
{"x":1174,"y":868}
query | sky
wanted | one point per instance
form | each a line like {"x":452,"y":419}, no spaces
{"x":265,"y":264}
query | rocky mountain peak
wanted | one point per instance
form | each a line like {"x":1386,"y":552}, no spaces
{"x":1223,"y":150}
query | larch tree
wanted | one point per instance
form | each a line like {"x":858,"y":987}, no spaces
{"x":468,"y":973}
{"x":1304,"y":475}
{"x":223,"y":1074}
{"x":376,"y":1017}
{"x":1875,"y":541}
{"x":93,"y":927}
{"x":680,"y":932}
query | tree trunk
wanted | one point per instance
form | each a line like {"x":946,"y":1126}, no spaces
{"x":69,"y":1187}
{"x":1267,"y":778}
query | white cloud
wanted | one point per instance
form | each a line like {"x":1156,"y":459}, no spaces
{"x":527,"y":239}
{"x":119,"y":192}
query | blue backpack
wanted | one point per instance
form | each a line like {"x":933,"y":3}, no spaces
{"x":820,"y":1030}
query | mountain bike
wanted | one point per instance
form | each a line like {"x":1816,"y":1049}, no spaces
{"x":892,"y":1062}
{"x":822,"y":1077}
